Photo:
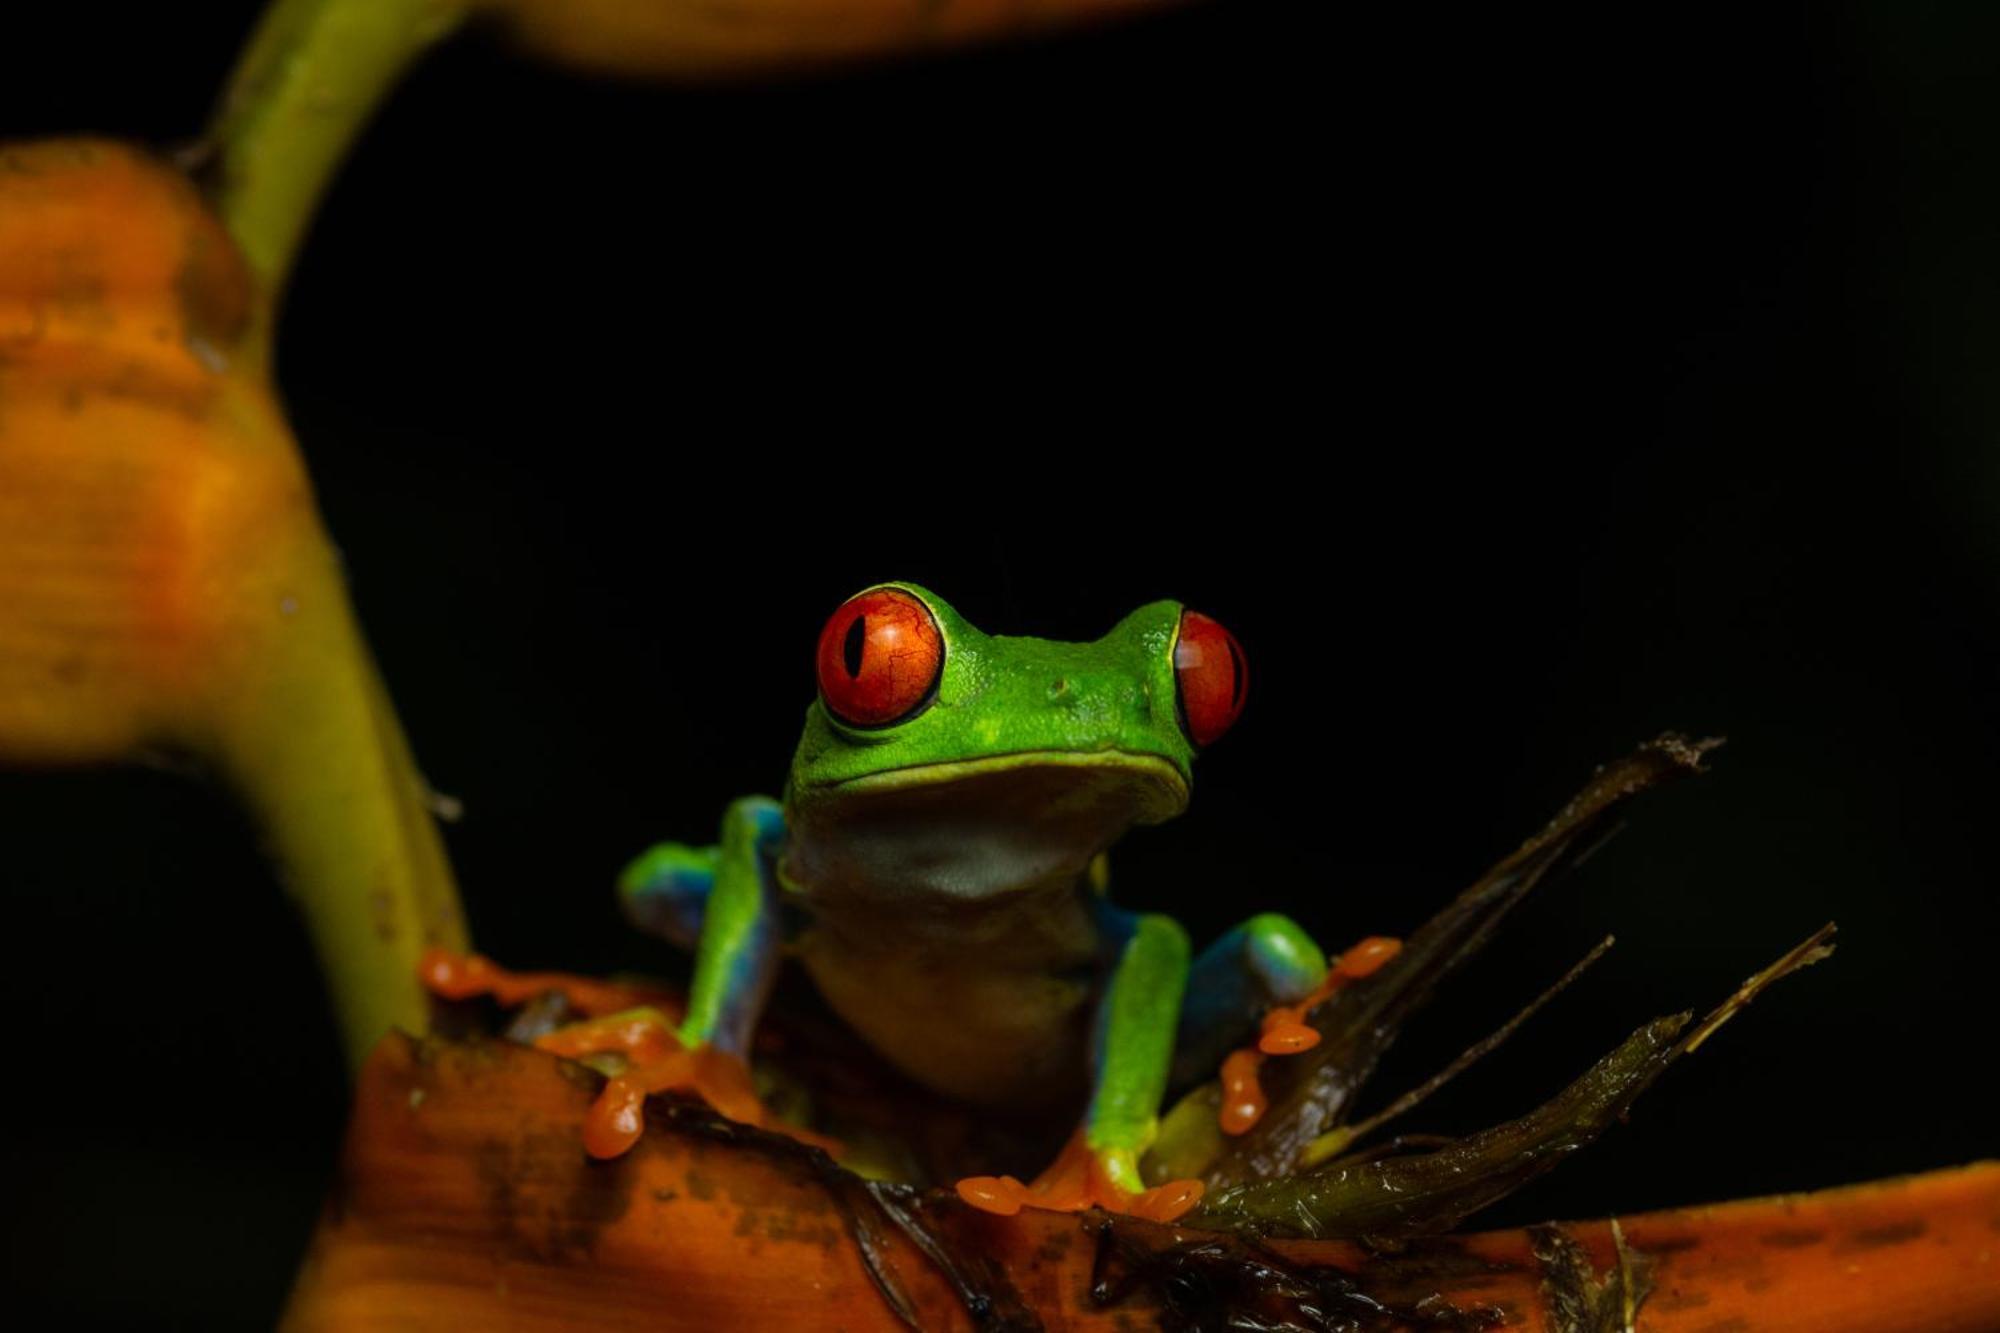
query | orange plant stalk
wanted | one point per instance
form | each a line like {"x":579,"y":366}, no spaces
{"x":465,"y":1202}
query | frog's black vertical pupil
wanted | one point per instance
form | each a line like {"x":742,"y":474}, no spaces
{"x":1237,"y":674}
{"x":851,"y":646}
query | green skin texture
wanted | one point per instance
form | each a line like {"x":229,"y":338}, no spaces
{"x":950,"y":866}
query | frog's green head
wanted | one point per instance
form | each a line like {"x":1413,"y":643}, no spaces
{"x":922,"y":720}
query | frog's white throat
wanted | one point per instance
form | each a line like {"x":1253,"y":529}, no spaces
{"x":973,"y":829}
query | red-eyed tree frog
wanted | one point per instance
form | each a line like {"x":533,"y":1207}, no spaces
{"x":937,"y":865}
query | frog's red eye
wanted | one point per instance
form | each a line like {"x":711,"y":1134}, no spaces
{"x":1212,"y":676}
{"x":879,"y":658}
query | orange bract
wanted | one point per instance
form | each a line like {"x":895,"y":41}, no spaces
{"x":165,"y":583}
{"x":645,"y":37}
{"x":133,"y":466}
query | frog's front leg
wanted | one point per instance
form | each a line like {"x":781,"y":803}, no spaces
{"x":731,"y":892}
{"x":741,"y":931}
{"x":665,"y":891}
{"x":1136,"y":1025}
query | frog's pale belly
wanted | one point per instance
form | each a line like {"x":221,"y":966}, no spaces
{"x":953,"y":922}
{"x":994,"y":1011}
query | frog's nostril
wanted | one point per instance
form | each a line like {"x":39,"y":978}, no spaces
{"x":1058,"y":688}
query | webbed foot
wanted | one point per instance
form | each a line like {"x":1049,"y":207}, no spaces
{"x":634,"y":1024}
{"x":656,"y":1061}
{"x":1083,"y":1177}
{"x":1284,"y":1031}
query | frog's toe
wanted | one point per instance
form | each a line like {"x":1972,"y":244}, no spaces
{"x":718,"y":1078}
{"x":1287,"y":1037}
{"x":1168,"y":1202}
{"x":618,"y":1116}
{"x":615,"y":1120}
{"x":1000,"y":1195}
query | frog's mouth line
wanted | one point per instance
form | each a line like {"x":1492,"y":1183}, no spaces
{"x":1160,"y":789}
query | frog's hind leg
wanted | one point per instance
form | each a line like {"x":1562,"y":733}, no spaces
{"x":1268,"y":960}
{"x":665,"y":891}
{"x":1260,"y":982}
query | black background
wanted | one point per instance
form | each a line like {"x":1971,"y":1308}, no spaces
{"x":1515,"y":387}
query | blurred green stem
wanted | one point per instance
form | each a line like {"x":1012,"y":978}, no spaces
{"x":309,"y":738}
{"x":302,"y":723}
{"x":312,"y":74}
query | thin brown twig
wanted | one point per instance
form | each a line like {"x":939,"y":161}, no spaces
{"x":1340,"y":1138}
{"x":1812,"y":950}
